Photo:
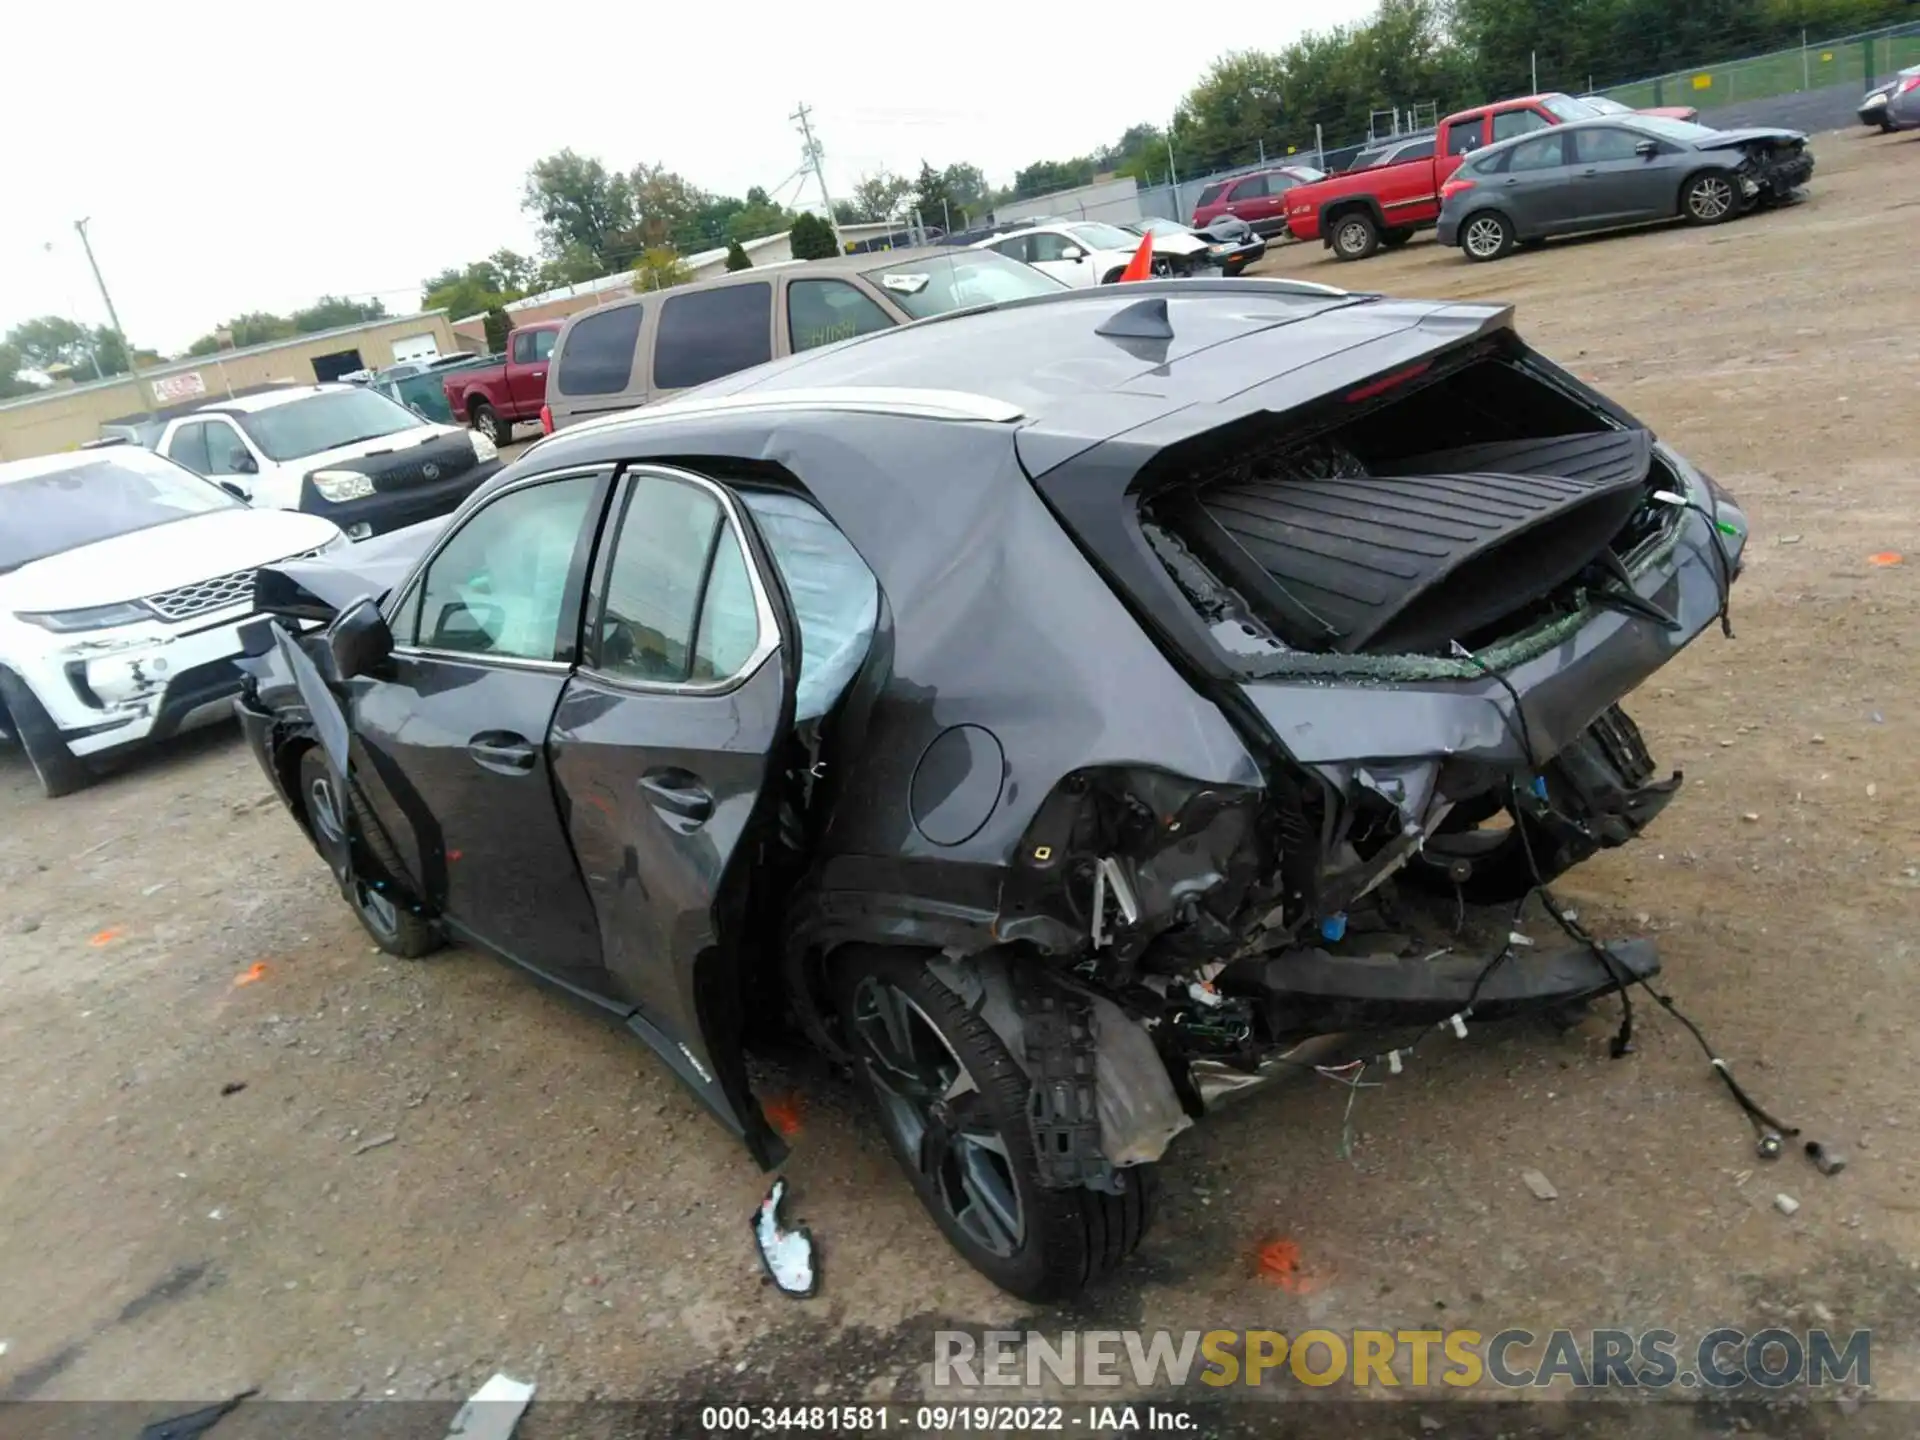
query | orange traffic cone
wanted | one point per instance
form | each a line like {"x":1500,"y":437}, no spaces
{"x":1141,"y":266}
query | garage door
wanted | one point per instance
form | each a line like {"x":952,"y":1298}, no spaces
{"x":416,"y":347}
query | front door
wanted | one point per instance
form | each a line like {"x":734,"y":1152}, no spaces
{"x":1614,"y":182}
{"x":667,"y":743}
{"x":451,"y":740}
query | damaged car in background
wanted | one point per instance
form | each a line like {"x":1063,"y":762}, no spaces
{"x":1069,"y":714}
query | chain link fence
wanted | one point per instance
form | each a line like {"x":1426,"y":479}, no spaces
{"x":1851,"y":60}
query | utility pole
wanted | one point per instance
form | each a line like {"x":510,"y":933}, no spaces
{"x":1173,"y":176}
{"x":804,"y":115}
{"x":94,"y":265}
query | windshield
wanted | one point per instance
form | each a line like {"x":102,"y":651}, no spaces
{"x":1096,"y":235}
{"x":939,"y":284}
{"x":58,"y":505}
{"x":324,"y":422}
{"x":1159,"y":224}
{"x":1674,"y":129}
{"x":1568,"y":108}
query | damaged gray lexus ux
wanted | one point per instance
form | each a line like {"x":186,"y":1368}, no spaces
{"x":1068,"y":714}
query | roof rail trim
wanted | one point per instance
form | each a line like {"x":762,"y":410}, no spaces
{"x":922,"y":404}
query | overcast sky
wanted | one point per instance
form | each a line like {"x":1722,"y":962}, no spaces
{"x":237,"y":157}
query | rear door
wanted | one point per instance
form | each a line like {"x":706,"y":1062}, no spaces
{"x":597,"y":369}
{"x":1260,"y":200}
{"x":668,"y":743}
{"x":702,"y":335}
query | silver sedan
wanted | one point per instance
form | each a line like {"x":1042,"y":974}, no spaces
{"x":1613,"y":171}
{"x":1903,"y":101}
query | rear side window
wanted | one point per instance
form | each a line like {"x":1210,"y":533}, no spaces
{"x":1546,"y":153}
{"x":709,"y":333}
{"x":1464,"y":135}
{"x":598,"y":356}
{"x":820,"y":312}
{"x":1419,"y":150}
{"x":1211,"y":193}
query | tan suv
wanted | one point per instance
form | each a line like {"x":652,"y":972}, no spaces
{"x":651,"y":346}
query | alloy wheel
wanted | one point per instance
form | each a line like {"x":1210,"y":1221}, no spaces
{"x":323,"y":804}
{"x":1353,"y":237}
{"x":1711,"y":198}
{"x":1485,"y":236}
{"x":937,"y":1115}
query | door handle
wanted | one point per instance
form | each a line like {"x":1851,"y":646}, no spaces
{"x":539,"y":374}
{"x":503,"y":752}
{"x":677,"y":792}
{"x":1591,"y":171}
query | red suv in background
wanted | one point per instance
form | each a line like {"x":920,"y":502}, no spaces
{"x":1259,"y":198}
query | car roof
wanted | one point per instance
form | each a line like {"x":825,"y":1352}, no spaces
{"x":267,"y":400}
{"x":830,"y":265}
{"x":1044,"y":367}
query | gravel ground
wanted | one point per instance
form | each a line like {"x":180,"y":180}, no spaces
{"x":547,"y":1200}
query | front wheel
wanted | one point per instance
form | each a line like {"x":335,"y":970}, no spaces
{"x":396,"y":930}
{"x":1709,"y":198}
{"x":1355,"y":237}
{"x":58,"y":769}
{"x":953,"y":1105}
{"x":1486,"y":236}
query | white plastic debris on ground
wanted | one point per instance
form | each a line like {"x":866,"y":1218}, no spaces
{"x":492,"y":1411}
{"x":786,"y":1254}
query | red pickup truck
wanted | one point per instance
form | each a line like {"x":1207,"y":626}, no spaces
{"x":1356,"y":213}
{"x":491,"y":398}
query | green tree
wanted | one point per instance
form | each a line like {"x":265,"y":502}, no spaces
{"x":659,"y":268}
{"x":572,"y":266}
{"x":516,"y":272}
{"x":580,"y":205}
{"x":757,"y":218}
{"x":12,"y":383}
{"x":932,"y":197}
{"x":330,"y":312}
{"x":879,"y":197}
{"x":967,"y":190}
{"x":52,"y":340}
{"x":737,"y":258}
{"x":667,"y":209}
{"x":1043,"y":177}
{"x":812,"y":237}
{"x":497,"y":325}
{"x":470,"y":291}
{"x":1238,"y":102}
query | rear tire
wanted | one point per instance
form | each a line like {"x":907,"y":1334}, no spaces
{"x":58,"y":769}
{"x":1486,"y":235}
{"x":1355,"y":236}
{"x":1709,"y":198}
{"x":953,"y":1106}
{"x":1394,"y":239}
{"x":487,"y":421}
{"x":395,"y":929}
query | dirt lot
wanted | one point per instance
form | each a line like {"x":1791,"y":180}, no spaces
{"x":552,"y":1203}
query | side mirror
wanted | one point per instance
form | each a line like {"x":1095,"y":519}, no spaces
{"x":239,"y":492}
{"x":359,"y":639}
{"x":242,"y":463}
{"x":1647,"y":149}
{"x":461,"y":626}
{"x":1073,"y":253}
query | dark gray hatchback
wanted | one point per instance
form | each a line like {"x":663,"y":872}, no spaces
{"x":1069,"y":715}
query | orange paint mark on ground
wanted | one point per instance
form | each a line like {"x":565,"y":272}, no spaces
{"x":255,"y":971}
{"x":108,"y":936}
{"x":1279,"y":1261}
{"x":1886,"y":557}
{"x":783,"y":1113}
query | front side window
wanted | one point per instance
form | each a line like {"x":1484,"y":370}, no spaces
{"x":1045,"y":245}
{"x":598,"y":356}
{"x":189,"y":446}
{"x":532,"y":346}
{"x":1545,"y":153}
{"x":226,"y":451}
{"x":499,"y":588}
{"x":1594,"y":147}
{"x":679,"y":606}
{"x":1513,"y":123}
{"x":820,"y":312}
{"x":326,"y":421}
{"x":705,"y":334}
{"x":1464,"y":135}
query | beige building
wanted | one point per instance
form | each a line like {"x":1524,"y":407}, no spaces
{"x":68,"y":415}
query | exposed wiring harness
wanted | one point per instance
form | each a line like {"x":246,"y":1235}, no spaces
{"x":1716,"y":527}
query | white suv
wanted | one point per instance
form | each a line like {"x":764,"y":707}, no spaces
{"x":1092,"y":252}
{"x":124,"y":580}
{"x":367,"y":463}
